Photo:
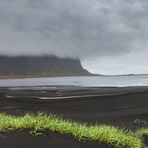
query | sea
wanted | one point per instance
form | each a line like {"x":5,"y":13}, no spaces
{"x":84,"y":81}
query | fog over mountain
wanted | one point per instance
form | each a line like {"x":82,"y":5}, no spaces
{"x":110,"y":37}
{"x":34,"y":66}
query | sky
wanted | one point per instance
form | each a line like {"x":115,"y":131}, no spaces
{"x":109,"y":36}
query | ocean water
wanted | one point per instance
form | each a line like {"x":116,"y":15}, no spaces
{"x":85,"y":81}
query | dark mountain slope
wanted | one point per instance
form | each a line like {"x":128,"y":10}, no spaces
{"x":40,"y":66}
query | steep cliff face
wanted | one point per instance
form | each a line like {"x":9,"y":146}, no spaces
{"x":42,"y":66}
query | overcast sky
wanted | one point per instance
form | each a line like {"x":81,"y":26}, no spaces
{"x":109,"y":36}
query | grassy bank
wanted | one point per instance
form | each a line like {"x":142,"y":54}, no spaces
{"x":101,"y":133}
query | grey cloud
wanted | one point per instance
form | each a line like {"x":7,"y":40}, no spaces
{"x":73,"y":27}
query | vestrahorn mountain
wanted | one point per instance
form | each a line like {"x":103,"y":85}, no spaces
{"x":28,"y":66}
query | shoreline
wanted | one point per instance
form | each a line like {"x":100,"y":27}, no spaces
{"x":43,"y":76}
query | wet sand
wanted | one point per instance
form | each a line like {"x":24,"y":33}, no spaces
{"x":24,"y":139}
{"x":113,"y":106}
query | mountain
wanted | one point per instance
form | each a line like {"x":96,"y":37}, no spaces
{"x":40,"y":66}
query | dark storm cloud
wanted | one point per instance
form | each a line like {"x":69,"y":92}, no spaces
{"x":76,"y":28}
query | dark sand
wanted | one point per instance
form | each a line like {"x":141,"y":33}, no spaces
{"x":113,"y":106}
{"x":25,"y":140}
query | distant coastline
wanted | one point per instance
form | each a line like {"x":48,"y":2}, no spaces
{"x":61,"y":75}
{"x":42,"y":76}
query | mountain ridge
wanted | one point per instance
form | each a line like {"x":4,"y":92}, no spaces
{"x":40,"y":66}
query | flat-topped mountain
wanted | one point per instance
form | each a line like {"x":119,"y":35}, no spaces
{"x":40,"y":66}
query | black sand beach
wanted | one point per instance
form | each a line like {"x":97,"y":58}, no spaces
{"x":112,"y":106}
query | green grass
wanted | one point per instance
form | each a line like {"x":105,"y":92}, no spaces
{"x":102,"y":133}
{"x":142,"y":132}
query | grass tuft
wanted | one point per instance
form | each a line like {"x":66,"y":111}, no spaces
{"x":102,"y":133}
{"x":141,"y":132}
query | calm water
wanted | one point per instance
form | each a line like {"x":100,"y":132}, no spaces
{"x":108,"y":81}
